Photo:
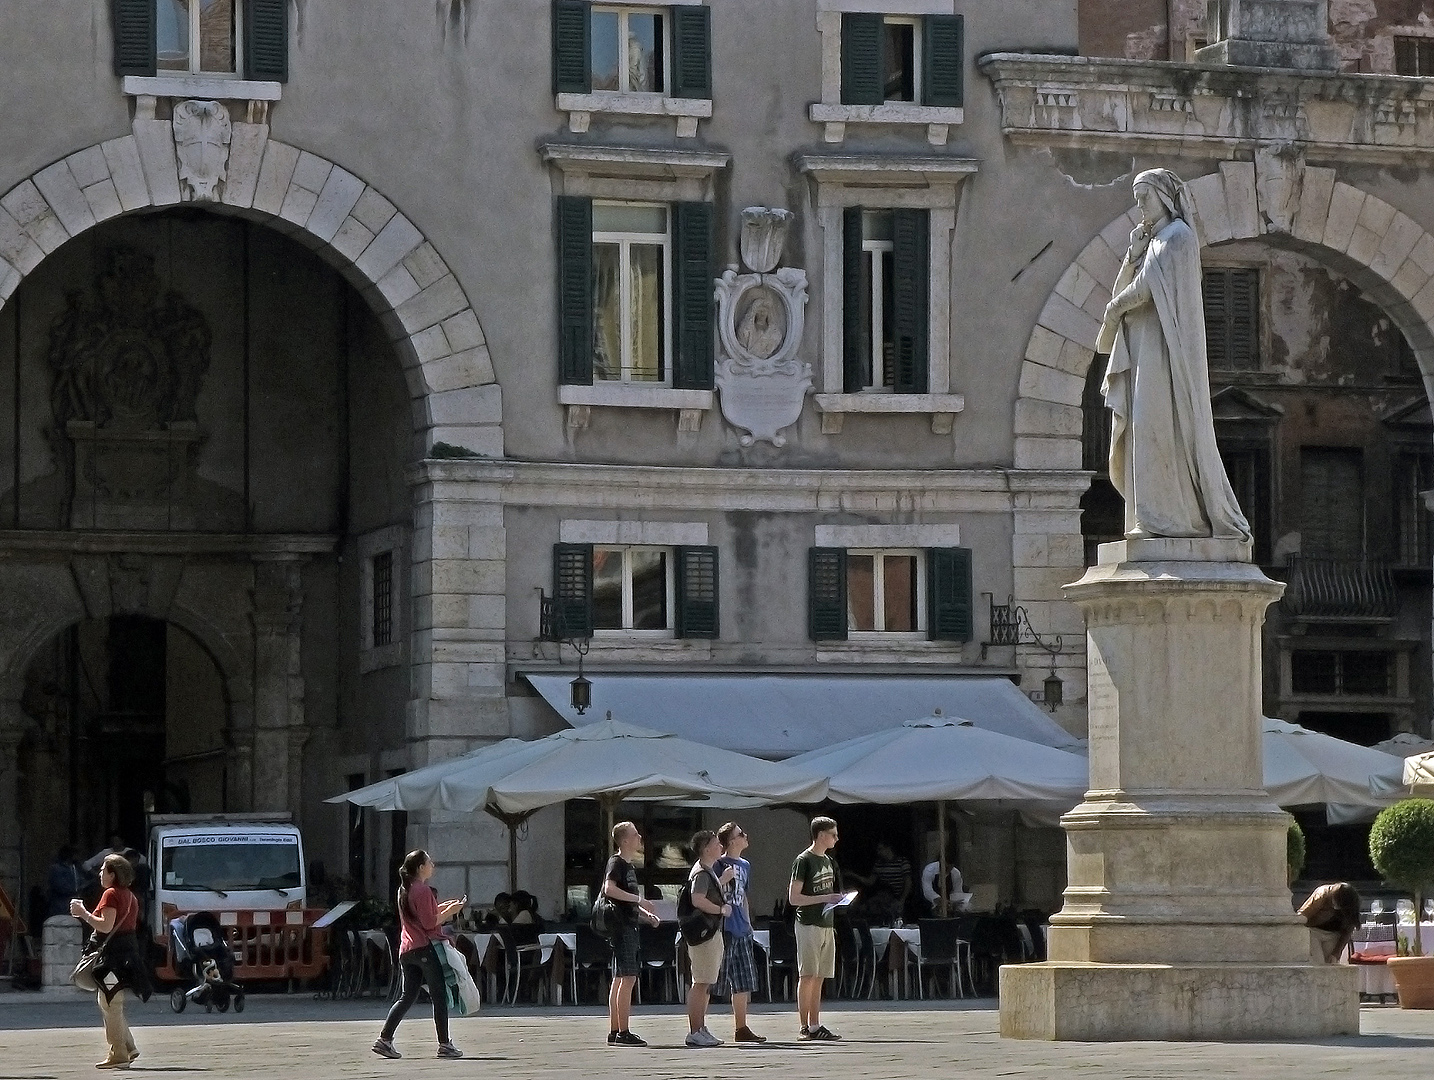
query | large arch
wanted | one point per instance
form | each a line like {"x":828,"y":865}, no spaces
{"x":348,"y":222}
{"x":1382,"y":250}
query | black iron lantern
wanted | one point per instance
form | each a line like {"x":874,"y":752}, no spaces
{"x":1054,"y":691}
{"x":582,"y":694}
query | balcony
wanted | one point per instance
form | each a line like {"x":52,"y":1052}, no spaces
{"x":1340,"y":589}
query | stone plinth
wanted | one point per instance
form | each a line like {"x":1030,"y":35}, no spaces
{"x":1273,"y":34}
{"x":1177,"y":921}
{"x":63,"y":939}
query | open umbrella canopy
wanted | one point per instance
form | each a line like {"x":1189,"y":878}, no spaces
{"x":1404,"y":745}
{"x":421,"y":789}
{"x":1304,"y":766}
{"x":943,"y":758}
{"x":612,"y":761}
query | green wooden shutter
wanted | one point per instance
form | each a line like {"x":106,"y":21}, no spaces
{"x":855,"y":341}
{"x":1214,"y":295}
{"x":697,"y":591}
{"x":572,"y":51}
{"x":948,"y":593}
{"x":134,"y":36}
{"x":691,"y":52}
{"x":266,"y":40}
{"x":911,"y":232}
{"x":575,"y":291}
{"x":861,"y":78}
{"x":692,"y":244}
{"x":573,"y":590}
{"x":943,"y":58}
{"x":1244,"y":319}
{"x":826,"y":594}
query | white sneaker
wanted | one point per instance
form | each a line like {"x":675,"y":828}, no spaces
{"x":695,"y":1040}
{"x":712,"y":1040}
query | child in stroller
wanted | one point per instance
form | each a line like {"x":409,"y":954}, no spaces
{"x":202,"y":955}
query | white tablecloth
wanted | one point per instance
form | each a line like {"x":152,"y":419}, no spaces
{"x":1376,"y":979}
{"x":883,"y":936}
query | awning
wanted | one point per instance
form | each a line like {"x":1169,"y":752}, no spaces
{"x":776,"y":716}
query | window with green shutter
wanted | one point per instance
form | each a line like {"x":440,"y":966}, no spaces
{"x":266,"y":52}
{"x":856,"y":347}
{"x":826,"y":594}
{"x":572,"y":56}
{"x":861,"y":67}
{"x":697,"y":592}
{"x":902,"y":58}
{"x":943,"y":54}
{"x":1232,"y":318}
{"x":201,"y":37}
{"x":949,"y":594}
{"x":691,"y":52}
{"x":133,"y":22}
{"x":575,"y":290}
{"x":692,"y":243}
{"x":572,"y":590}
{"x":911,"y":231}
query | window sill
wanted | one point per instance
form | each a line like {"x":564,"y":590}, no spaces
{"x":689,"y":404}
{"x":383,"y":656}
{"x":888,"y":648}
{"x":580,"y":109}
{"x":216,"y":87}
{"x":942,"y":408}
{"x":938,"y":119}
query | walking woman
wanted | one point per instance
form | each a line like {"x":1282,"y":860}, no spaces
{"x":121,"y":965}
{"x":421,"y":916}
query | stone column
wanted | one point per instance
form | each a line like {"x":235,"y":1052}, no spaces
{"x":278,"y":685}
{"x":1178,"y":922}
{"x":12,"y":728}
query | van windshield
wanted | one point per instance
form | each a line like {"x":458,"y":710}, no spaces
{"x":225,"y":864}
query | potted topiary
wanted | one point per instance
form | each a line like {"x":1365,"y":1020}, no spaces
{"x":1294,"y":850}
{"x":1401,"y":846}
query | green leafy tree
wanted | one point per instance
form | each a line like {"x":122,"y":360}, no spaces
{"x":1401,"y":846}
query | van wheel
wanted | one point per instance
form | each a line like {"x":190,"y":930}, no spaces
{"x":238,"y":1003}
{"x":177,"y":1000}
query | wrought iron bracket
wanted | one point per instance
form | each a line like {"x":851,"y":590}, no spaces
{"x":1011,"y":625}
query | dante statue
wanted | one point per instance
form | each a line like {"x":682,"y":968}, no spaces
{"x":1163,"y":457}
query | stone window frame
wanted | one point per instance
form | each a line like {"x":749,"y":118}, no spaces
{"x":634,"y":174}
{"x":394,"y":539}
{"x":686,"y":111}
{"x":835,"y":116}
{"x":887,"y":182}
{"x":612,"y":533}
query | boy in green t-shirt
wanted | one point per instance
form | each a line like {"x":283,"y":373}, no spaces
{"x":813,"y":885}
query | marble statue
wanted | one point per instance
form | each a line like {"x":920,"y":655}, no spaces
{"x":1163,"y":457}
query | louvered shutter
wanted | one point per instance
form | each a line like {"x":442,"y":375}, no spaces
{"x":943,"y":58}
{"x":1332,"y":503}
{"x":575,"y":291}
{"x":266,"y":40}
{"x":949,"y":596}
{"x":861,"y":80}
{"x":855,"y":344}
{"x":692,"y":241}
{"x":1406,"y":56}
{"x":1215,"y":295}
{"x":691,"y":52}
{"x":911,"y":231}
{"x":134,"y":36}
{"x":826,"y":594}
{"x":572,"y":53}
{"x":697,"y":592}
{"x":573,"y":590}
{"x":1244,"y":307}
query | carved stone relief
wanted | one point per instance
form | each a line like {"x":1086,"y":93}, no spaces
{"x":127,"y":366}
{"x":760,"y":316}
{"x":202,"y":133}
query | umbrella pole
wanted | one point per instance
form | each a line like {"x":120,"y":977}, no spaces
{"x":943,"y":887}
{"x":512,"y":821}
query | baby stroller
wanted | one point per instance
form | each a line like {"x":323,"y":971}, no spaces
{"x":203,"y":956}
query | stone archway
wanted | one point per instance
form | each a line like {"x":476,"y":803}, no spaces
{"x":1285,"y":203}
{"x":349,"y":223}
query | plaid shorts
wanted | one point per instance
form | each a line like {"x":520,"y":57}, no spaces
{"x":624,"y":950}
{"x":739,"y":966}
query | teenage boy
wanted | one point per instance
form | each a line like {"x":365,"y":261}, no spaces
{"x":620,"y":885}
{"x":707,"y":885}
{"x":739,"y":966}
{"x":813,"y":885}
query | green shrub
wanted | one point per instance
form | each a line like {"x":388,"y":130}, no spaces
{"x":1295,"y":849}
{"x":1401,"y":846}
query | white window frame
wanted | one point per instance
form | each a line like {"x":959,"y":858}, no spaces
{"x":193,"y":68}
{"x":878,"y":580}
{"x":914,"y":22}
{"x":625,"y":240}
{"x":871,"y":252}
{"x":627,"y":629}
{"x":622,"y":11}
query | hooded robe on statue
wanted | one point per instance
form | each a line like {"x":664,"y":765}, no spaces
{"x":1163,"y":457}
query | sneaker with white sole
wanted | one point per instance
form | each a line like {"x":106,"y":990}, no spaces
{"x":384,"y":1048}
{"x":448,"y":1050}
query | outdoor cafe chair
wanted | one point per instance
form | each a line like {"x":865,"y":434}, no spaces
{"x":657,"y":955}
{"x":942,"y":947}
{"x":781,"y":955}
{"x":522,"y":955}
{"x":592,"y":956}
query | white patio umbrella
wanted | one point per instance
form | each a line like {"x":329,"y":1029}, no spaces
{"x":419,"y":789}
{"x":1404,"y":745}
{"x":1304,"y":766}
{"x":945,"y":759}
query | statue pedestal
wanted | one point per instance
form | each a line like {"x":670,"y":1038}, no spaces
{"x":1177,"y":921}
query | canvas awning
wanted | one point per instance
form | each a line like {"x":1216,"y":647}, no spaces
{"x":778,"y":716}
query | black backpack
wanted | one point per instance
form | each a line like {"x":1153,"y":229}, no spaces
{"x":696,"y":926}
{"x":605,"y":917}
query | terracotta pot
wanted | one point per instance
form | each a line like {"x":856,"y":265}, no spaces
{"x":1414,"y":978}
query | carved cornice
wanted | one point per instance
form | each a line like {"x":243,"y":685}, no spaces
{"x":1140,"y":106}
{"x":60,"y":543}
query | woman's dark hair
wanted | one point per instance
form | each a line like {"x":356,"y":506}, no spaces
{"x":408,"y":874}
{"x":120,"y":867}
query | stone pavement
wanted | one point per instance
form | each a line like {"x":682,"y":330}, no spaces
{"x":282,"y":1036}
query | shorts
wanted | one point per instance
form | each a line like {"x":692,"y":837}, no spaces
{"x":624,"y":951}
{"x":816,"y":951}
{"x":739,"y":966}
{"x":706,"y":960}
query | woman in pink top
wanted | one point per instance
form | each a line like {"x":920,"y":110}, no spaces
{"x":421,"y":917}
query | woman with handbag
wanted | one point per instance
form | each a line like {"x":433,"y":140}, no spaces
{"x":113,"y":960}
{"x":422,"y":917}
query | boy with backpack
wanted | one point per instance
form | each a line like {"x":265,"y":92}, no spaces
{"x":700,"y":910}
